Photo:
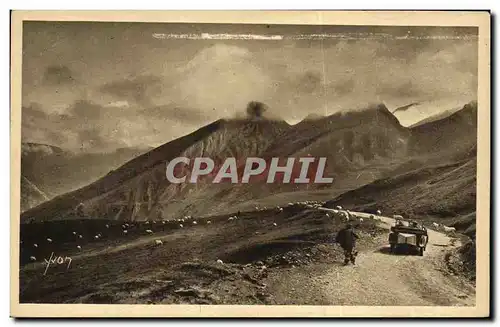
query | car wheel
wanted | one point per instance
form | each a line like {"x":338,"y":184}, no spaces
{"x":421,"y":252}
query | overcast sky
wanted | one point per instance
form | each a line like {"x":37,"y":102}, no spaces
{"x":106,"y":85}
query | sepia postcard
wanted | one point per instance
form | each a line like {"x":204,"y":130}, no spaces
{"x":250,"y":164}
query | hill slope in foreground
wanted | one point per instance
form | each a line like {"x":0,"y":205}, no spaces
{"x":261,"y":257}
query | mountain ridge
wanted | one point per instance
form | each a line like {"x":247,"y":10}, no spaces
{"x":365,"y":143}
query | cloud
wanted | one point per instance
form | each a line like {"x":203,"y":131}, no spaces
{"x":407,"y":89}
{"x":87,"y":110}
{"x":223,"y":77}
{"x":344,"y":86}
{"x":84,"y":126}
{"x":58,"y":75}
{"x":379,"y":70}
{"x":37,"y":126}
{"x":163,"y":89}
{"x":138,"y":89}
{"x":95,"y":138}
{"x":172,"y":112}
{"x":118,"y":104}
{"x":405,"y":107}
{"x":310,"y":82}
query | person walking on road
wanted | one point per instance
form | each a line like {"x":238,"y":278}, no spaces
{"x":347,"y":240}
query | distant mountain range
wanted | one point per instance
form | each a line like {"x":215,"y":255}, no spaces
{"x":48,"y":171}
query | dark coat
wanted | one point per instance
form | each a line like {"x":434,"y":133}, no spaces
{"x":346,"y":238}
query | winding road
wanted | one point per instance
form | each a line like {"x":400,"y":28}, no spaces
{"x":381,"y":278}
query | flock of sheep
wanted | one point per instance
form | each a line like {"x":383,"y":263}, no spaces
{"x":125,"y":227}
{"x":345,"y":215}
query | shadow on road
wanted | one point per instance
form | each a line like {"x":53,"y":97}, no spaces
{"x":338,"y":263}
{"x":400,"y":250}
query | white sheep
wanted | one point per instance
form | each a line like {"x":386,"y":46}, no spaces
{"x":158,"y":242}
{"x":147,"y":222}
{"x":80,"y":236}
{"x":361,"y":220}
{"x":163,"y":222}
{"x":49,"y":240}
{"x":79,"y":247}
{"x":96,"y":237}
{"x":290,"y":203}
{"x":32,"y":258}
{"x":339,"y":207}
{"x":219,"y":261}
{"x":194,"y":222}
{"x":327,"y":215}
{"x":181,"y":225}
{"x":379,"y":212}
{"x":449,"y":229}
{"x":230,"y":218}
{"x":436,"y":225}
{"x":209,"y":222}
{"x":149,"y":231}
{"x":107,"y":226}
{"x":74,"y":233}
{"x":346,"y":216}
{"x":125,"y":231}
{"x":274,"y":224}
{"x":35,"y":245}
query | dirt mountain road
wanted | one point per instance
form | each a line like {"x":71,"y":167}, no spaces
{"x":380,"y":278}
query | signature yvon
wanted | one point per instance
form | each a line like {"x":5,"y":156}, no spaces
{"x":57,"y":260}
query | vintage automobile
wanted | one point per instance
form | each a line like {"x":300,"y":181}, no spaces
{"x":411,"y":235}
